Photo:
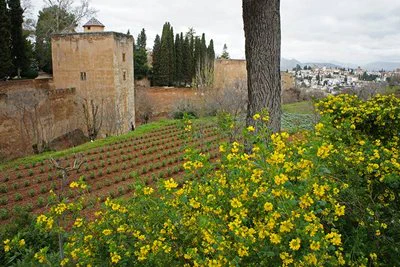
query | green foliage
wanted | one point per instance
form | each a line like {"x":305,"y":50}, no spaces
{"x":18,"y":41}
{"x":166,"y":57}
{"x":140,"y":57}
{"x":325,"y":197}
{"x":179,"y":58}
{"x":5,"y":44}
{"x":156,"y":63}
{"x":51,"y":20}
{"x":179,"y":62}
{"x":366,"y":136}
{"x":225,"y":53}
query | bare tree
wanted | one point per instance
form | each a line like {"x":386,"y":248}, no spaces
{"x":367,"y":90}
{"x":262,"y":27}
{"x":78,"y":12}
{"x":34,"y":119}
{"x":204,"y":77}
{"x":144,"y":106}
{"x":93,"y":116}
{"x":65,"y":170}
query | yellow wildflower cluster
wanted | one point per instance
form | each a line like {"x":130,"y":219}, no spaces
{"x":290,"y":201}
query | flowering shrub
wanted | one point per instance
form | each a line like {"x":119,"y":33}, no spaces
{"x":327,"y":197}
{"x":367,"y":136}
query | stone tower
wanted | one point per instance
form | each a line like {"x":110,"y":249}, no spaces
{"x":99,"y":65}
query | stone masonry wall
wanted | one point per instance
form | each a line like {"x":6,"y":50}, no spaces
{"x":31,"y":112}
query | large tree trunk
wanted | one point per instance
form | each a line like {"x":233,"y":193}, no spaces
{"x":262,"y":27}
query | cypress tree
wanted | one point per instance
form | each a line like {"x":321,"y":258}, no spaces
{"x":5,"y":42}
{"x":203,"y":52}
{"x":140,"y":56}
{"x":187,"y":61}
{"x":156,"y":60}
{"x":20,"y":60}
{"x":178,"y":59}
{"x":164,"y":56}
{"x":192,"y":57}
{"x":197,"y":55}
{"x":225,"y":54}
{"x":171,"y":57}
{"x":141,"y":41}
{"x":211,"y":51}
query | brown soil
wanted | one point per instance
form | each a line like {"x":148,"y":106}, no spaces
{"x":109,"y":171}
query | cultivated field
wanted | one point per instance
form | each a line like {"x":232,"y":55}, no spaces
{"x":110,"y":170}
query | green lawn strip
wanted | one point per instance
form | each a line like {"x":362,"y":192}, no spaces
{"x":391,"y":90}
{"x":305,"y":107}
{"x":141,"y":130}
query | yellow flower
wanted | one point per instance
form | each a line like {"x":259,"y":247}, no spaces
{"x":243,"y":251}
{"x":334,"y":238}
{"x":7,"y":245}
{"x":64,"y":262}
{"x":323,"y":151}
{"x":222,"y":148}
{"x":319,"y":190}
{"x":74,"y":185}
{"x":275,"y":238}
{"x":41,"y":218}
{"x":315,"y":245}
{"x":280,"y":179}
{"x":170,"y":184}
{"x":21,"y":243}
{"x":339,"y":210}
{"x":115,"y":258}
{"x":286,"y":258}
{"x":286,"y":226}
{"x":235,"y":203}
{"x":194,"y":203}
{"x":306,"y":201}
{"x":256,"y":116}
{"x":40,"y":257}
{"x":148,"y":190}
{"x":295,"y":244}
{"x":78,"y":222}
{"x":319,"y":127}
{"x":373,"y":256}
{"x":107,"y":232}
{"x":251,"y":128}
{"x":268,"y":206}
{"x":88,"y":238}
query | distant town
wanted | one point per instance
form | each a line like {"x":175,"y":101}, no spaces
{"x":335,"y":79}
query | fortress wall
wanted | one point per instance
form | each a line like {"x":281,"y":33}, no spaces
{"x":31,"y":112}
{"x":229,"y":71}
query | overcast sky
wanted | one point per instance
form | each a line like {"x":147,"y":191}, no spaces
{"x":349,"y":31}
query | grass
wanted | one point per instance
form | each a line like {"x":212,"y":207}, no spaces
{"x":141,"y":130}
{"x":391,"y":90}
{"x":305,"y":107}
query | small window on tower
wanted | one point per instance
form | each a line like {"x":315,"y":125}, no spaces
{"x":123,"y":57}
{"x":88,"y":28}
{"x":83,"y":76}
{"x":124,"y":75}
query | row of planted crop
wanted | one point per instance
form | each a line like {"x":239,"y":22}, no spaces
{"x":122,"y":158}
{"x":151,"y":173}
{"x":112,"y":168}
{"x":42,"y":169}
{"x":142,"y":138}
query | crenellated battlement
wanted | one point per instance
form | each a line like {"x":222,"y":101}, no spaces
{"x":57,"y":93}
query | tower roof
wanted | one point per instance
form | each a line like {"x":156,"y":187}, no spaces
{"x":93,"y":22}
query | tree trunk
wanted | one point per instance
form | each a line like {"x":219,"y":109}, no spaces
{"x":262,"y":27}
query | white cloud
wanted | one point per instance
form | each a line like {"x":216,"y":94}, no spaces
{"x":357,"y":31}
